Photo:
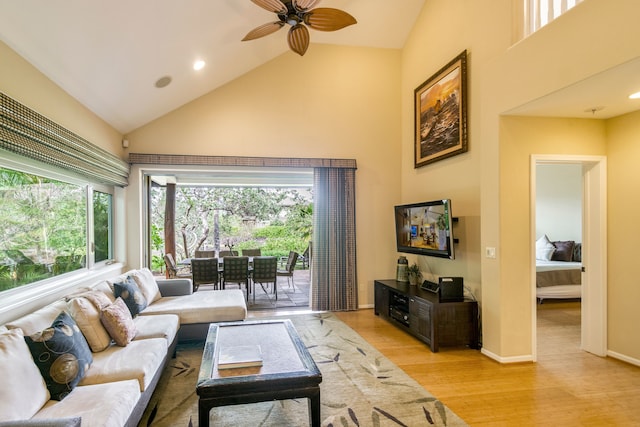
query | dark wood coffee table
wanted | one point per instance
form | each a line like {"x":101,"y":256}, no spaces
{"x":287,"y":372}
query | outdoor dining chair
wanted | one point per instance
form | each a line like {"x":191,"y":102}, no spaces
{"x":224,"y":254}
{"x":251,"y":252}
{"x":208,"y":253}
{"x":204,"y":271}
{"x":172,"y":269}
{"x":265,"y":272}
{"x":288,"y":269}
{"x":236,"y":270}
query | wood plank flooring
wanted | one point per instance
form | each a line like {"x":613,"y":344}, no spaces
{"x":566,"y":387}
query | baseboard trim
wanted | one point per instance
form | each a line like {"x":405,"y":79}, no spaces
{"x":511,"y":359}
{"x":624,"y":358}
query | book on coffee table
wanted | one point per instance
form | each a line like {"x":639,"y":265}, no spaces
{"x":241,"y":356}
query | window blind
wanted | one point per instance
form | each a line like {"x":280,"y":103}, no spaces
{"x":28,"y":133}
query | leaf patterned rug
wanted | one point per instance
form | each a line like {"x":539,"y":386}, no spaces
{"x":360,"y":387}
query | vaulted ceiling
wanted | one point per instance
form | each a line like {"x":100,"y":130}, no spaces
{"x":109,"y":55}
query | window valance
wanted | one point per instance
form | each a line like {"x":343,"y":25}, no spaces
{"x":291,"y":162}
{"x":28,"y":133}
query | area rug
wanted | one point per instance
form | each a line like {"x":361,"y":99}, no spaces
{"x":360,"y":387}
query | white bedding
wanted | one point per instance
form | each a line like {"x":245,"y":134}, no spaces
{"x":542,"y":265}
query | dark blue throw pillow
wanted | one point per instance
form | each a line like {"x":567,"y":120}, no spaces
{"x":62,"y":354}
{"x":131,"y":295}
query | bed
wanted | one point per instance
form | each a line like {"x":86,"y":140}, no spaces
{"x":558,"y":269}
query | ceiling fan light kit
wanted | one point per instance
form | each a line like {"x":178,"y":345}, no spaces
{"x":299,"y":14}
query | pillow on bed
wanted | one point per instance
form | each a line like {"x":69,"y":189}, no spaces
{"x":544,"y":248}
{"x":577,"y":252}
{"x":564,"y":251}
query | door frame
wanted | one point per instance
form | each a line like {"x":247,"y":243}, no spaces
{"x":594,"y":249}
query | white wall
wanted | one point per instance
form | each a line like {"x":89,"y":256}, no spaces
{"x":559,"y":202}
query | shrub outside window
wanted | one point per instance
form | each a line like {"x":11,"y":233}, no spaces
{"x":44,"y":228}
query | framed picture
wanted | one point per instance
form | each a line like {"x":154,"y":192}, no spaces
{"x":441,"y":113}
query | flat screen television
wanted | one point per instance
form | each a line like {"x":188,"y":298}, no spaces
{"x":425,"y":229}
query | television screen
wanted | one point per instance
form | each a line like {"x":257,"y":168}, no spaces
{"x":425,"y":228}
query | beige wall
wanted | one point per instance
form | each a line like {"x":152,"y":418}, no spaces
{"x":587,"y":41}
{"x":358,"y":103}
{"x":520,"y":138}
{"x":338,"y":102}
{"x":22,"y":82}
{"x":443,"y":30}
{"x":623,"y":152}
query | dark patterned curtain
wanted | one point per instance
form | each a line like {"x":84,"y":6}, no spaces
{"x":334,"y":284}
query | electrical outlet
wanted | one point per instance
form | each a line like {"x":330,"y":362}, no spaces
{"x":490,"y":252}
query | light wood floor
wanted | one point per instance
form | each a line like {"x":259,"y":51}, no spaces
{"x":566,"y":387}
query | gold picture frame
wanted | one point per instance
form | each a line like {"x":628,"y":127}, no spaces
{"x":441,"y":113}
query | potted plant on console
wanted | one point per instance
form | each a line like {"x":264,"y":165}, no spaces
{"x":414,"y":274}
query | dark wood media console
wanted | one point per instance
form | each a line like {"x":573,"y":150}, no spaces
{"x":420,"y":313}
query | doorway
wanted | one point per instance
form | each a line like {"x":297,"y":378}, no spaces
{"x":593,"y":253}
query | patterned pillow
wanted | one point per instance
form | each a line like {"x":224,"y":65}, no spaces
{"x":117,"y":320}
{"x":131,"y":294}
{"x":62,"y":354}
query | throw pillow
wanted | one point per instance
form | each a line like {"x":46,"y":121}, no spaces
{"x":147,"y":284}
{"x":544,"y":248}
{"x":130,"y":293}
{"x":20,"y":378}
{"x":564,"y":251}
{"x":577,"y":252}
{"x":117,"y":320}
{"x":87,"y":316}
{"x":62,"y":354}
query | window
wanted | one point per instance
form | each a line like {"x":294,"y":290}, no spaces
{"x":102,"y":226}
{"x":44,"y":227}
{"x":539,"y":13}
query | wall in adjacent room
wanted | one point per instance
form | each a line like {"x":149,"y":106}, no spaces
{"x":559,"y":202}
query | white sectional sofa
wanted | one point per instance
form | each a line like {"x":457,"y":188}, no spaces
{"x":115,"y":358}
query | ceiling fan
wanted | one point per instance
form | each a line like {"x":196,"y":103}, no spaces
{"x":300,"y":14}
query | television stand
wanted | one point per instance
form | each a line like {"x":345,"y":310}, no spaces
{"x":421,"y":314}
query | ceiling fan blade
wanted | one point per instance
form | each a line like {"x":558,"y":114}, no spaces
{"x":328,"y":19}
{"x":298,"y":39}
{"x":263,"y":30}
{"x":275,"y":6}
{"x":304,"y":5}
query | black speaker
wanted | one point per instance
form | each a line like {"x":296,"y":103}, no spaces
{"x":451,"y":289}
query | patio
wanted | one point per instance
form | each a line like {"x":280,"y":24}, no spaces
{"x":288,"y":297}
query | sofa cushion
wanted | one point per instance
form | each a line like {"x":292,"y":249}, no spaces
{"x":130,"y":293}
{"x":87,"y":316}
{"x":147,"y":284}
{"x":39,"y":319}
{"x":158,"y":326}
{"x":57,"y":422}
{"x":100,"y":405}
{"x":118,"y":322}
{"x":140,"y":361}
{"x":62,"y":354}
{"x":20,"y":378}
{"x":203,"y":307}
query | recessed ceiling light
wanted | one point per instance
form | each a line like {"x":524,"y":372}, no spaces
{"x":635,"y":95}
{"x":199,"y":64}
{"x":163,"y":82}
